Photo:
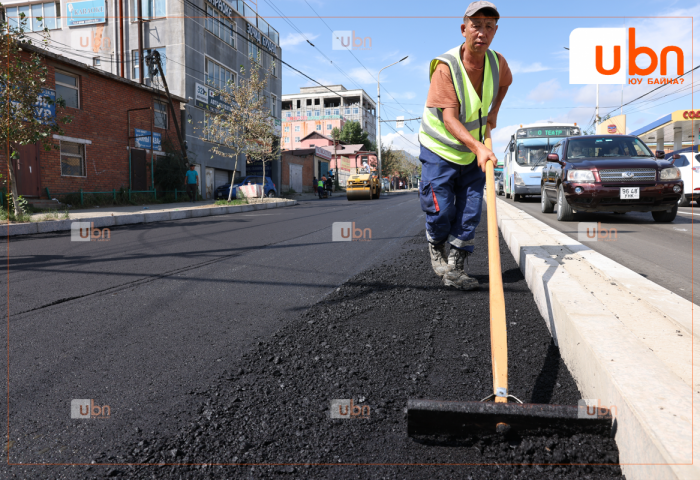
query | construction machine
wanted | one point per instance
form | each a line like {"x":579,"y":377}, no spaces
{"x":363,"y":186}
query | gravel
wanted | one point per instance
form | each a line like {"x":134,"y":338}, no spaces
{"x":391,"y":333}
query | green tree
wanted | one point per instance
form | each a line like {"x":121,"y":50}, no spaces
{"x":240,"y":126}
{"x":22,"y":82}
{"x":352,"y":134}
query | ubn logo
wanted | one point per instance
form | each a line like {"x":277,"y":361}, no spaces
{"x":592,"y":232}
{"x":86,"y":408}
{"x":596,"y":55}
{"x":346,"y":408}
{"x":591,"y":408}
{"x":346,"y":232}
{"x":346,"y":40}
{"x":86,"y":232}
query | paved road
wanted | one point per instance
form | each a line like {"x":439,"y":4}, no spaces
{"x":159,"y":310}
{"x":661,"y":252}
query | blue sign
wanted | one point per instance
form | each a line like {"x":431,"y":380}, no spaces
{"x":45,"y":107}
{"x":88,"y":12}
{"x":143,"y":139}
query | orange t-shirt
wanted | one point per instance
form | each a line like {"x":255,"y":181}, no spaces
{"x":442,"y":94}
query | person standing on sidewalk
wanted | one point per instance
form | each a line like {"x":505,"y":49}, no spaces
{"x":314,"y":182}
{"x":319,"y":189}
{"x":467,"y":86}
{"x":192,"y":183}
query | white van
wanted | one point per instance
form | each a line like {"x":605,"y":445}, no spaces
{"x":688,"y":162}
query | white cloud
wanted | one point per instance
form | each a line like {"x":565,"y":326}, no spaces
{"x":545,"y":91}
{"x":518,"y":67}
{"x":406,"y":140}
{"x":293,"y":39}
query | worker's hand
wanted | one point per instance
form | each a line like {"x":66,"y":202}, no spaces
{"x":484,"y":155}
{"x":492,"y":118}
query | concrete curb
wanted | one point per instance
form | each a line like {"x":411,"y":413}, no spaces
{"x":135,"y":218}
{"x":653,"y":407}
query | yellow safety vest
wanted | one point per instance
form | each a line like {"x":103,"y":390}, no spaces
{"x":472,"y":112}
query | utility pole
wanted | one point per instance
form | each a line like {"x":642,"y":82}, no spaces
{"x":379,"y":123}
{"x":153,"y":61}
{"x":140,"y":26}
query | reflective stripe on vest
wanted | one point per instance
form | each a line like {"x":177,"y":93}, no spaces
{"x":433,"y":135}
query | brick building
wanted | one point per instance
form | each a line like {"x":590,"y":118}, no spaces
{"x":97,"y":151}
{"x":300,"y":166}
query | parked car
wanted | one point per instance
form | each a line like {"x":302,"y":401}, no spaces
{"x":270,"y":187}
{"x":613,"y":173}
{"x":498,"y":180}
{"x":385,"y":184}
{"x":688,"y":162}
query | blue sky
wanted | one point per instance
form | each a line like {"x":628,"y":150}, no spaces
{"x":533,"y":47}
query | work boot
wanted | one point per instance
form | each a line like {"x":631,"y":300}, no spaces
{"x":456,"y":276}
{"x":438,"y":258}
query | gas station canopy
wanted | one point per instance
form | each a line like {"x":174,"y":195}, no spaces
{"x":679,"y":128}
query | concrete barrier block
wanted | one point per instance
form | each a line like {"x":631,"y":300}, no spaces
{"x":179,"y":214}
{"x":18,"y":229}
{"x":54,"y":226}
{"x":156,"y":217}
{"x":200,"y":212}
{"x":219,"y":210}
{"x":128,"y":219}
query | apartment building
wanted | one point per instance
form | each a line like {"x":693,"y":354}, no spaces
{"x":321,"y":109}
{"x":202,"y":44}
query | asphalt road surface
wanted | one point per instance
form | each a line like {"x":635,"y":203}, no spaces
{"x":661,"y":252}
{"x":137,"y":322}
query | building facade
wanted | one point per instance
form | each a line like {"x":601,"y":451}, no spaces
{"x":202,"y":45}
{"x":98,"y":150}
{"x":321,"y":109}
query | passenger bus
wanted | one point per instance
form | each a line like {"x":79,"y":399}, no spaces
{"x":526,"y":154}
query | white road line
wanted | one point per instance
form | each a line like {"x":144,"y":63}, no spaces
{"x":687,"y":213}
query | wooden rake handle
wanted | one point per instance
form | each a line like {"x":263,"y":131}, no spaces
{"x":499,"y":338}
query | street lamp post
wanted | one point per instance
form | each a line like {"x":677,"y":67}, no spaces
{"x":379,"y":123}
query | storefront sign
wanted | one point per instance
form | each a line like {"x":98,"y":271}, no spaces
{"x":85,"y":13}
{"x":344,"y":164}
{"x":320,"y":152}
{"x":224,"y":7}
{"x":209,"y":99}
{"x":143,"y":139}
{"x":691,"y":114}
{"x":266,"y":42}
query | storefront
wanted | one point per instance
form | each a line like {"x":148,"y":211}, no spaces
{"x":672,"y":132}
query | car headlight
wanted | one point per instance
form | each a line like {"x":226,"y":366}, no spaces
{"x":670,"y":174}
{"x":518,"y":179}
{"x":580,"y":176}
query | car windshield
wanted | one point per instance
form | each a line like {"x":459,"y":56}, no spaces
{"x":533,"y":151}
{"x":612,"y":147}
{"x":253,"y":180}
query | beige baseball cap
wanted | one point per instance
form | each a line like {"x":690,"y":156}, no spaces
{"x":481,"y":5}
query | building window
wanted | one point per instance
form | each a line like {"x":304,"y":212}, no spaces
{"x":328,"y":112}
{"x":150,"y":9}
{"x":209,"y":135}
{"x":286,"y":139}
{"x":356,"y":111}
{"x":253,"y":50}
{"x":96,"y":62}
{"x":68,"y":88}
{"x":318,"y":128}
{"x":289,"y":114}
{"x":336,"y":111}
{"x":296,"y":139}
{"x":317,"y":113}
{"x":273,"y":105}
{"x":347,"y":111}
{"x":286,"y":129}
{"x":135,"y":63}
{"x":50,"y":14}
{"x":72,"y":159}
{"x":218,"y":76}
{"x":160,"y":111}
{"x":296,"y":128}
{"x":329,"y":127}
{"x":221,"y":26}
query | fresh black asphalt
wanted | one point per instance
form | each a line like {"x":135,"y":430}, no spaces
{"x":224,"y":339}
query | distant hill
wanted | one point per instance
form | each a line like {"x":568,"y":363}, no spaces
{"x":411,"y":158}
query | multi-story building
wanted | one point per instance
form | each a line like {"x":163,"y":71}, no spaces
{"x":202,"y":44}
{"x":321,"y":109}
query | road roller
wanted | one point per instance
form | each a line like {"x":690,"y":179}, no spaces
{"x":363,"y":186}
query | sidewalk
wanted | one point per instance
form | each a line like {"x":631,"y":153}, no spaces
{"x":124,"y":215}
{"x":312,"y":196}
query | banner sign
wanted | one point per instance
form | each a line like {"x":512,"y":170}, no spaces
{"x":267,"y":43}
{"x":209,"y":99}
{"x":320,"y":152}
{"x":143,"y":139}
{"x":344,"y":164}
{"x":85,"y":13}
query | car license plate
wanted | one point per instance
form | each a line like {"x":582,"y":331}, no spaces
{"x":629,"y":193}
